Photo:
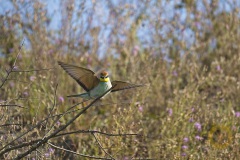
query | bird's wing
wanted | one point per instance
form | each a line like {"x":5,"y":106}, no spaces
{"x":84,"y":77}
{"x":120,"y":85}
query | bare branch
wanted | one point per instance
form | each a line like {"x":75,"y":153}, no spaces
{"x":14,"y":64}
{"x":13,"y":79}
{"x":33,"y":70}
{"x":102,"y":147}
{"x":61,"y":115}
{"x":103,"y":133}
{"x":25,"y":144}
{"x":9,"y":124}
{"x":83,"y":155}
{"x":12,"y":68}
{"x":45,"y":139}
{"x":54,"y":104}
{"x":41,"y":123}
{"x":11,"y":105}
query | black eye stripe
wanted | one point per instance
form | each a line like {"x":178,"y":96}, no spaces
{"x":103,"y":77}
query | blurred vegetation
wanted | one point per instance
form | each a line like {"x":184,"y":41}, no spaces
{"x":187,"y":51}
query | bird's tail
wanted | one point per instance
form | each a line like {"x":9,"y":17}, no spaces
{"x":82,"y":95}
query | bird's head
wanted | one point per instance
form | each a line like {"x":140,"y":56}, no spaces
{"x":104,"y":76}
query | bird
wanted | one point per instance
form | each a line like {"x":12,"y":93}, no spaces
{"x":94,"y":85}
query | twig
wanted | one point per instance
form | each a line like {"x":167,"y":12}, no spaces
{"x":33,"y":70}
{"x":37,"y":125}
{"x":11,"y":105}
{"x":103,"y":133}
{"x":102,"y":147}
{"x":65,"y":113}
{"x":20,"y":146}
{"x":13,"y":79}
{"x":12,"y":68}
{"x":83,"y":155}
{"x":54,"y":104}
{"x":45,"y":140}
{"x":41,"y":123}
{"x":54,"y":101}
{"x":18,"y":54}
{"x":9,"y":124}
{"x":61,"y":115}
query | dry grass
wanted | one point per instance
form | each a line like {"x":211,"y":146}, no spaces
{"x":189,"y":110}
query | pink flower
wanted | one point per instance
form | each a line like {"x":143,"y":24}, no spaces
{"x":51,"y":150}
{"x":47,"y":155}
{"x":183,"y":154}
{"x":12,"y":84}
{"x":140,"y":108}
{"x":15,"y":68}
{"x":61,"y":99}
{"x":58,"y":123}
{"x":185,"y":139}
{"x":32,"y":78}
{"x":25,"y":93}
{"x":193,"y":109}
{"x":198,"y":138}
{"x":237,"y":114}
{"x":169,"y":110}
{"x":135,"y":50}
{"x":50,"y":51}
{"x":218,"y":67}
{"x":175,"y":73}
{"x":198,"y":126}
{"x":234,"y":128}
{"x":11,"y":50}
{"x":191,"y":119}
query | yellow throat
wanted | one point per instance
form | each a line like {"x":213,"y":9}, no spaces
{"x":104,"y":79}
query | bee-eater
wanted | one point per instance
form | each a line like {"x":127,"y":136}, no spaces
{"x":93,"y":85}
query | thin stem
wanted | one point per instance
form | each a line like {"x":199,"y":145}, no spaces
{"x":11,"y":69}
{"x":102,"y":147}
{"x":45,"y":140}
{"x":99,"y":132}
{"x":83,"y":155}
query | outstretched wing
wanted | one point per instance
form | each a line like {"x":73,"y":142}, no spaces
{"x":120,"y":85}
{"x":84,"y":77}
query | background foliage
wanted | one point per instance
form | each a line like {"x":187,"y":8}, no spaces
{"x":187,"y":51}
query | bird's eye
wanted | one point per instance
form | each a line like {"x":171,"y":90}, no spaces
{"x":103,"y":77}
